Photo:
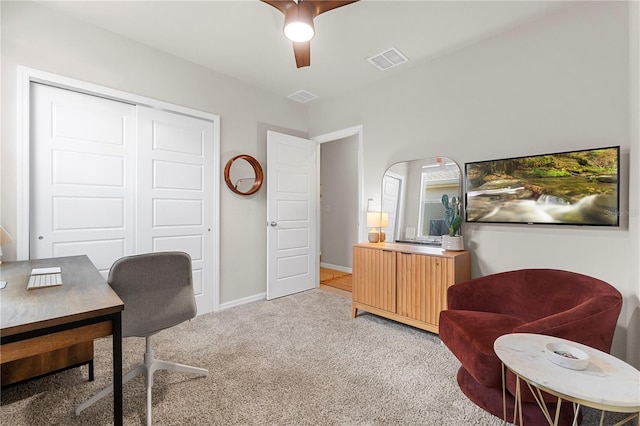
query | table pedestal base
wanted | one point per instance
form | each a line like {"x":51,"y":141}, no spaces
{"x":551,"y":419}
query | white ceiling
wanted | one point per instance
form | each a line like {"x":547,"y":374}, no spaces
{"x":243,"y":38}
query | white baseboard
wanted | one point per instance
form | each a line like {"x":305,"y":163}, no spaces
{"x":262,"y":296}
{"x":244,"y":300}
{"x":335,"y":267}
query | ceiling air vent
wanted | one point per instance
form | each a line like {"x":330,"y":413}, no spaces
{"x":302,"y":96}
{"x":388,"y":59}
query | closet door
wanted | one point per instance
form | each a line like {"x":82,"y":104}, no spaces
{"x":110,"y":179}
{"x":175,"y":187}
{"x":82,"y":176}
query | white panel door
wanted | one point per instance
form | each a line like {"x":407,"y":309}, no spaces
{"x":391,"y":185}
{"x":292,"y":191}
{"x":175,"y":187}
{"x":82,"y":176}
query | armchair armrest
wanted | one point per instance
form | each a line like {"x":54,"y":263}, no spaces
{"x":591,"y":323}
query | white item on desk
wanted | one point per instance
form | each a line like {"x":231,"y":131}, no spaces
{"x":43,"y":271}
{"x":44,"y":277}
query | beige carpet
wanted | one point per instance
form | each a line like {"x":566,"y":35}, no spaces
{"x":297,"y":360}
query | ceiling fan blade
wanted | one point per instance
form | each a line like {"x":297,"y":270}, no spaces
{"x":317,"y":6}
{"x":321,"y":6}
{"x":302,"y":51}
{"x":281,"y":5}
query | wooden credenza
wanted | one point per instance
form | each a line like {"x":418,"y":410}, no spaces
{"x":406,"y":282}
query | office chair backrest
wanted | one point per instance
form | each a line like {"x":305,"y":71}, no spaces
{"x":156,"y":289}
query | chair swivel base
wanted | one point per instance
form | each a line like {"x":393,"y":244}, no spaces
{"x":146,"y":368}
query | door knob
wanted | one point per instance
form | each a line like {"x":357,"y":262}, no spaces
{"x":273,"y":223}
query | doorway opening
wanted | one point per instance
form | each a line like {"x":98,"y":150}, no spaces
{"x":340,"y":205}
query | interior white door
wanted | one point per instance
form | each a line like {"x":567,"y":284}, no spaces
{"x":391,"y":187}
{"x":292,"y":193}
{"x":175,"y":181}
{"x":81,"y":175}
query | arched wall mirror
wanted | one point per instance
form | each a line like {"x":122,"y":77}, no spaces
{"x":243,"y":175}
{"x":412,"y":198}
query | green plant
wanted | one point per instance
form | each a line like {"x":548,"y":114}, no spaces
{"x":452,"y":217}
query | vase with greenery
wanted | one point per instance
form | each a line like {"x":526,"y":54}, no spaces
{"x":453,"y":220}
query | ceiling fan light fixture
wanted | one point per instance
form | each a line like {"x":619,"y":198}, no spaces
{"x":299,"y":31}
{"x":298,"y":24}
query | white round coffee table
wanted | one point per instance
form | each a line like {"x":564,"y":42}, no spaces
{"x":607,"y":383}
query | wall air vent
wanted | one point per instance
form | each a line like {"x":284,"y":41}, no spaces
{"x":388,"y":59}
{"x":302,"y":96}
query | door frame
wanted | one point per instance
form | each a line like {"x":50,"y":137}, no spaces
{"x":26,"y":76}
{"x":333,"y":136}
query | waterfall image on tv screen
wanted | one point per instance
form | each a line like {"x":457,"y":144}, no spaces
{"x":567,"y":188}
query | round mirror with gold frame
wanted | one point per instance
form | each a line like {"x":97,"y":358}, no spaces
{"x":243,"y":174}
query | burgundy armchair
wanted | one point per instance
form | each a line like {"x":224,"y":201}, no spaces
{"x":542,"y":301}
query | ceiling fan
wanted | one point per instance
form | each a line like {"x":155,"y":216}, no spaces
{"x":298,"y":23}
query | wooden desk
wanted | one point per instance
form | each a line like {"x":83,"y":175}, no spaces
{"x":42,"y":320}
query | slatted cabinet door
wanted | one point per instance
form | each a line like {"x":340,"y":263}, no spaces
{"x":374,"y":278}
{"x":442,"y":276}
{"x":422,"y":286}
{"x":412,"y":291}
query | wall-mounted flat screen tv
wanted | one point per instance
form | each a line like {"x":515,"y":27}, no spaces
{"x":565,"y":188}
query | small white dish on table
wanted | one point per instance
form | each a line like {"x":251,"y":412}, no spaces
{"x":566,"y":356}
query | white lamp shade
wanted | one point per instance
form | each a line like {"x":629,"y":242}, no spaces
{"x":377,"y":220}
{"x":384,"y":222}
{"x":373,"y":219}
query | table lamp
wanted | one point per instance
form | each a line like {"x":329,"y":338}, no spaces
{"x":376,"y":221}
{"x":384,"y":222}
{"x":373,"y":223}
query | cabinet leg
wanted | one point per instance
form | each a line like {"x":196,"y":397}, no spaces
{"x":354,"y":310}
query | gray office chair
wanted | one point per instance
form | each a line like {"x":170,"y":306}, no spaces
{"x":157,"y":292}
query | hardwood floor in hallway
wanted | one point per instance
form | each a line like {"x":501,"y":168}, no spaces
{"x":335,"y":279}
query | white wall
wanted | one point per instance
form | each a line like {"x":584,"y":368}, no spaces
{"x":34,"y":36}
{"x":558,"y":83}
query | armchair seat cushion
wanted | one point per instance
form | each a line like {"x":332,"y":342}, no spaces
{"x":470,"y":336}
